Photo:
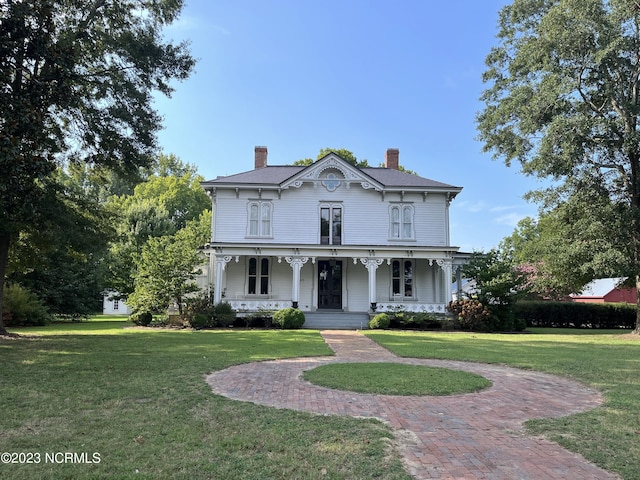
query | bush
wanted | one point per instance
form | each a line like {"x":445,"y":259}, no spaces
{"x":575,"y":314}
{"x":142,"y":319}
{"x":224,"y":314}
{"x":415,"y":320}
{"x":381,"y":320}
{"x":200,"y":312}
{"x":472,"y":315}
{"x":288,"y":318}
{"x":23,"y":308}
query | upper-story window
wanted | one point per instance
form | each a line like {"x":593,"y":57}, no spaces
{"x":401,"y":222}
{"x":331,"y":224}
{"x":260,"y":219}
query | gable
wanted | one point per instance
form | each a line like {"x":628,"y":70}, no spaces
{"x":332,"y":172}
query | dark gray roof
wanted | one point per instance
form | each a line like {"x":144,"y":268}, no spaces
{"x":277,"y":174}
{"x":268,"y":175}
{"x":390,"y":177}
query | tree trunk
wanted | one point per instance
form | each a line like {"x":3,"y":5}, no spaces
{"x":4,"y":259}
{"x":637,"y":329}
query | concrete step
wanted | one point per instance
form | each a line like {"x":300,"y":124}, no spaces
{"x":336,"y":320}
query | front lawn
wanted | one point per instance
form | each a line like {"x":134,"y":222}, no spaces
{"x":606,"y":360}
{"x":137,"y":398}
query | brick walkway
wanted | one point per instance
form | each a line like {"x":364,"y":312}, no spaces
{"x":471,"y":436}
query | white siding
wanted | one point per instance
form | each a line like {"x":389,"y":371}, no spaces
{"x":296,"y":216}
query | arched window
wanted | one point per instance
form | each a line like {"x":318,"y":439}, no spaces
{"x":260,"y":215}
{"x":402,"y":278}
{"x":401,"y":222}
{"x":258,"y":276}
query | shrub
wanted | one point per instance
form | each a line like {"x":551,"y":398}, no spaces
{"x":575,"y":314}
{"x":471,"y":313}
{"x":142,"y":319}
{"x":23,"y":308}
{"x":381,"y":320}
{"x":415,"y":320}
{"x":199,"y":321}
{"x":224,"y":314}
{"x":288,"y":318}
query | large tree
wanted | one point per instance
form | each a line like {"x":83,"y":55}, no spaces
{"x":158,"y":207}
{"x":167,"y":267}
{"x":76,"y":85}
{"x":563,"y":100}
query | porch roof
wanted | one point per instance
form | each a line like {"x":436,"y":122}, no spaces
{"x":354,"y":251}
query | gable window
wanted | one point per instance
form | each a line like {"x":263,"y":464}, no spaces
{"x":116,"y":304}
{"x":401,"y":222}
{"x":402,"y":278}
{"x":260,"y":215}
{"x":258,"y":276}
{"x":330,"y":225}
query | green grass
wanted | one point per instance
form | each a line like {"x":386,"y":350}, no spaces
{"x":138,"y":398}
{"x":395,"y":379}
{"x":609,"y":435}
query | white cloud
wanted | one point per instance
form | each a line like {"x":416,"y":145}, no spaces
{"x":509,"y":219}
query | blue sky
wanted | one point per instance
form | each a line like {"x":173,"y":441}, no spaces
{"x":365,"y":75}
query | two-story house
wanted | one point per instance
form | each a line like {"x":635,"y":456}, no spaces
{"x":331,"y":237}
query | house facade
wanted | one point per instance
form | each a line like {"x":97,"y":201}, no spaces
{"x":113,"y":305}
{"x":331,"y":237}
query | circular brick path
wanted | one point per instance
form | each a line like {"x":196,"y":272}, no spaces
{"x":470,"y":436}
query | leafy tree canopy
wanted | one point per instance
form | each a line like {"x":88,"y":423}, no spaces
{"x":563,"y":101}
{"x":159,"y":207}
{"x":167,"y":267}
{"x":341,"y":152}
{"x":76,"y":85}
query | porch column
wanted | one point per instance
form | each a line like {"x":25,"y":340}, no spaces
{"x":372,"y":265}
{"x":447,"y":268}
{"x":296,"y":265}
{"x":221,"y":264}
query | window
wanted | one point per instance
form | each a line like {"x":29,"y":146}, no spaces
{"x":402,"y":278}
{"x":401,"y":217}
{"x":116,"y":304}
{"x":331,"y":225}
{"x":258,"y":276}
{"x":260,"y":214}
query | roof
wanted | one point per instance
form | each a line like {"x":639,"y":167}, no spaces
{"x":277,"y":174}
{"x":600,"y":287}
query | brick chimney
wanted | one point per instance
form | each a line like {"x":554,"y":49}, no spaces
{"x":391,"y":158}
{"x":261,"y":157}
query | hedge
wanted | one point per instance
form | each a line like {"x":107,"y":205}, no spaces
{"x":576,"y":315}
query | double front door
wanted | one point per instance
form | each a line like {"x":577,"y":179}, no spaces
{"x":330,"y":284}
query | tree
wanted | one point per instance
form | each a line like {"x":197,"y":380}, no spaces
{"x":160,"y":206}
{"x":570,"y":245}
{"x":167,"y":267}
{"x":499,"y":283}
{"x":341,"y":152}
{"x":60,"y":256}
{"x":563,"y":100}
{"x":76,"y":84}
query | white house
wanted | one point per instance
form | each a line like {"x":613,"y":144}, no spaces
{"x":331,"y":237}
{"x":112,"y":305}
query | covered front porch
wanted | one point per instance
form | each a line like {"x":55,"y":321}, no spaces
{"x":333,"y":278}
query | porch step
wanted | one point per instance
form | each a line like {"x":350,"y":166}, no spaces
{"x":336,"y":320}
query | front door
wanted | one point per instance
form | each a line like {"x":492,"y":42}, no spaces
{"x":330,"y":284}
